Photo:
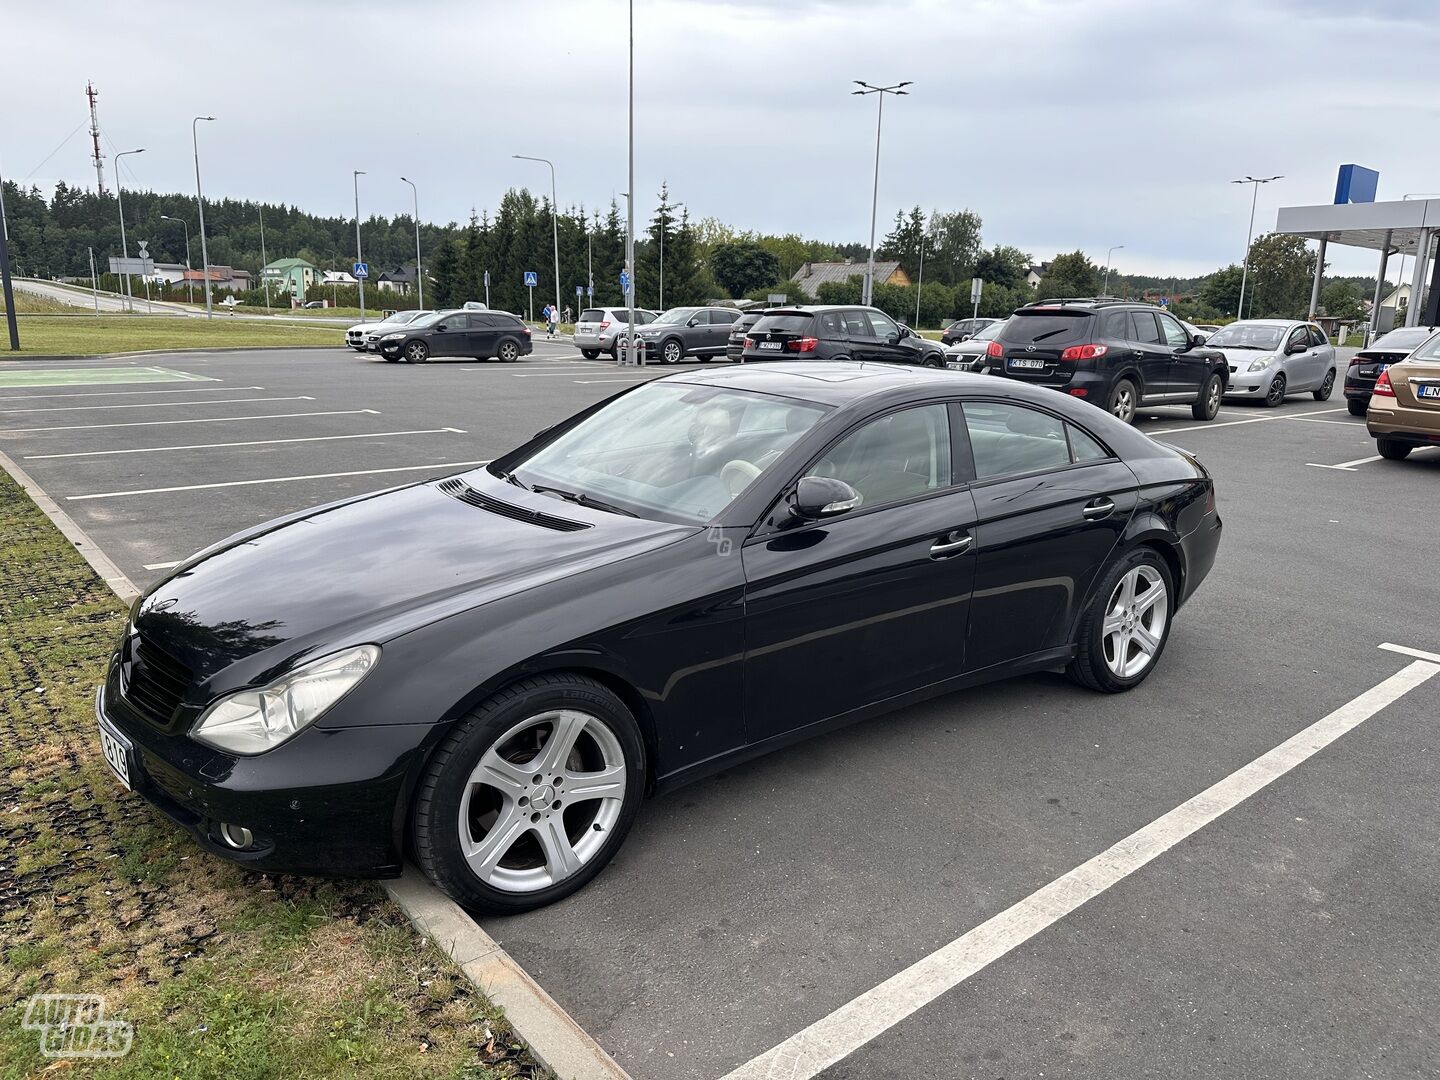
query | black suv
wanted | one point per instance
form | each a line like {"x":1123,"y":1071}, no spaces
{"x":1116,"y":354}
{"x":838,"y":333}
{"x":480,"y":334}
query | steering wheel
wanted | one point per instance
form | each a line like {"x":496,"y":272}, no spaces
{"x":737,"y":475}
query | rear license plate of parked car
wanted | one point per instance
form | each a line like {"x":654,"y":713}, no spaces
{"x":770,"y":345}
{"x":116,"y":749}
{"x":1027,"y":363}
{"x":1428,"y":392}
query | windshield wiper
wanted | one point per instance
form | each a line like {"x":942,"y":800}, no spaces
{"x":1257,"y":348}
{"x":511,"y":478}
{"x":581,"y":499}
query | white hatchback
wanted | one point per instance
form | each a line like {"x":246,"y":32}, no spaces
{"x":597,"y":328}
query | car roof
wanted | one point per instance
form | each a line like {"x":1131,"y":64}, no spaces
{"x":840,"y":382}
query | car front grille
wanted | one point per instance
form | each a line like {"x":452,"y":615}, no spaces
{"x":154,"y":681}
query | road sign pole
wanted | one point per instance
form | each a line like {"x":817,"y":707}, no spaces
{"x":8,"y":293}
{"x":976,"y":285}
{"x":531,"y":289}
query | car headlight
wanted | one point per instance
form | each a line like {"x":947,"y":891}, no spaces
{"x":253,"y":721}
{"x":392,"y":337}
{"x":1260,"y":363}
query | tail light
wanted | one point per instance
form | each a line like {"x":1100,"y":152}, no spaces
{"x":749,"y":343}
{"x":1356,"y":361}
{"x":995,"y":349}
{"x":604,"y":324}
{"x":1383,"y":387}
{"x":525,"y":330}
{"x":804,"y":344}
{"x":1084,"y":352}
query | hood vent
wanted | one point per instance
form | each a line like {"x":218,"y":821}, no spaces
{"x":458,"y":489}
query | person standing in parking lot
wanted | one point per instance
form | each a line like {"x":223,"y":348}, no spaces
{"x":553,"y":319}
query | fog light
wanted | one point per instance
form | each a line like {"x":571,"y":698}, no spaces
{"x":236,"y":836}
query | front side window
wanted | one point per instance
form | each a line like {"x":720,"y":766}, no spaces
{"x":451,"y":323}
{"x":679,"y":315}
{"x":1008,"y":440}
{"x":885,"y":327}
{"x":898,"y":456}
{"x":1175,"y":334}
{"x":700,"y":318}
{"x":670,"y":451}
{"x":1299,"y":339}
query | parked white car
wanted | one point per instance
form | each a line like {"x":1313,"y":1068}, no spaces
{"x":1271,"y":358}
{"x":597,"y":328}
{"x":358,"y":334}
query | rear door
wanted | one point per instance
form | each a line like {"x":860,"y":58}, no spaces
{"x":1153,"y":353}
{"x":1051,"y":502}
{"x":861,"y":335}
{"x":722,"y":320}
{"x":484,"y":334}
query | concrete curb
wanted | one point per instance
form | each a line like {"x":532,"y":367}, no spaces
{"x":553,"y":1036}
{"x":166,"y":352}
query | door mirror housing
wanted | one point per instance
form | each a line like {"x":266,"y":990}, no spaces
{"x":1196,"y":340}
{"x":905,"y":331}
{"x":694,"y":321}
{"x":819,"y":497}
{"x":1293,"y":349}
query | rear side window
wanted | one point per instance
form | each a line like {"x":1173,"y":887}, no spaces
{"x":1010,"y":440}
{"x":1046,"y":327}
{"x":832,"y":325}
{"x":1143,"y":328}
{"x":1116,"y":326}
{"x":784,"y":324}
{"x":723,"y":316}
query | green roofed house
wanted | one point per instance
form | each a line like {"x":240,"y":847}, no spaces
{"x":293,"y":276}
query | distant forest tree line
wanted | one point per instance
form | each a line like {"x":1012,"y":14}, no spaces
{"x":703,"y":259}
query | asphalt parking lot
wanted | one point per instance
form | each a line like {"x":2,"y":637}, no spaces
{"x":1295,"y":934}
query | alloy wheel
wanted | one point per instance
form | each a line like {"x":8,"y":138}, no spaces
{"x":1135,"y":622}
{"x":416,"y":352}
{"x":1212,"y":399}
{"x":509,"y":352}
{"x":671,"y":353}
{"x":1124,"y":404}
{"x":542,"y":801}
{"x":1276,"y":394}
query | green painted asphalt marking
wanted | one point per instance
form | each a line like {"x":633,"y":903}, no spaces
{"x":96,"y":376}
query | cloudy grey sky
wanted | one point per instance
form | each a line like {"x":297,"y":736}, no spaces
{"x":1063,"y":123}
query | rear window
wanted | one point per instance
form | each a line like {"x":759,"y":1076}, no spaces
{"x":591,"y":315}
{"x":1045,"y":327}
{"x":1401,"y":339}
{"x":785,"y":324}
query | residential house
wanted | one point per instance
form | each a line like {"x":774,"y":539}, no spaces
{"x":169,"y":273}
{"x":401,"y":280}
{"x":221,"y":277}
{"x":337,"y":277}
{"x":292,"y":276}
{"x":814,"y":274}
{"x":1034,"y":274}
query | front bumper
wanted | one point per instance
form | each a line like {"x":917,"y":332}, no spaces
{"x":1249,"y":383}
{"x":329,"y":801}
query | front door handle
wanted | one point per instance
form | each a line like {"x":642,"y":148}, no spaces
{"x":1096,"y":509}
{"x":951,"y":544}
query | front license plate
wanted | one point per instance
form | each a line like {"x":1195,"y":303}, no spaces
{"x":1428,"y":392}
{"x":776,"y":345}
{"x":1027,"y":363}
{"x":116,"y":749}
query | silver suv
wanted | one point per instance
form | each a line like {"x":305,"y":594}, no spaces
{"x":598,"y":329}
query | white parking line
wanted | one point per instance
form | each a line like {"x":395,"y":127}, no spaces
{"x":155,"y":404}
{"x":1405,"y":650}
{"x":1345,"y":466}
{"x":1235,"y":423}
{"x":201,"y":420}
{"x":252,"y":442}
{"x":836,"y":1036}
{"x":274,"y":480}
{"x":135,"y":393}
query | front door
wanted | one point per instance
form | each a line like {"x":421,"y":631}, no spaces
{"x":856,"y":609}
{"x":1189,"y":368}
{"x":887,"y":339}
{"x":451,"y":336}
{"x":1051,"y":503}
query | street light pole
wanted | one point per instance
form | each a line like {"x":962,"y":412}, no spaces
{"x":899,"y":91}
{"x":359,"y":256}
{"x":189,"y":285}
{"x":1105,"y":288}
{"x":124,"y":246}
{"x":200,"y":202}
{"x":419,"y":272}
{"x":630,"y":205}
{"x":554,"y":222}
{"x":1254,"y":182}
{"x":920,"y":284}
{"x":264,"y":261}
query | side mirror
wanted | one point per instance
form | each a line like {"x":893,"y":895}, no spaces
{"x":893,"y":337}
{"x":905,"y":331}
{"x":442,"y":326}
{"x":1293,"y":349}
{"x":1196,"y":340}
{"x":694,"y":322}
{"x":817,"y":497}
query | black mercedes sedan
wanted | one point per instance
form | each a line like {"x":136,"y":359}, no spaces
{"x":490,"y":670}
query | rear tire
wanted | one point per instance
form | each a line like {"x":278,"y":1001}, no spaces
{"x":553,"y":844}
{"x":1392,"y":450}
{"x":1326,"y":387}
{"x":1207,"y":405}
{"x":1123,"y":633}
{"x":508,"y":352}
{"x":1123,"y":401}
{"x":589,"y":354}
{"x":1357,"y":407}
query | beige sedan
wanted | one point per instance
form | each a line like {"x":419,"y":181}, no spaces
{"x":1404,"y":409}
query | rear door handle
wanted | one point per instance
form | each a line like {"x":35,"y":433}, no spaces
{"x":1096,"y":509}
{"x":951,"y":545}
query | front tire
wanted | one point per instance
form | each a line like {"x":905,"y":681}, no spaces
{"x":528,"y":798}
{"x":1391,"y":450}
{"x":1357,"y":407}
{"x":589,"y":354}
{"x":672,"y":352}
{"x":417,"y":352}
{"x":1207,"y":405}
{"x":1275,"y":396}
{"x":1124,"y":630}
{"x":1123,"y":400}
{"x":1325,"y":388}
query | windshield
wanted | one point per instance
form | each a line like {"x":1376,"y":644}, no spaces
{"x":1248,"y":336}
{"x":990,"y":333}
{"x":1401,"y":340}
{"x":670,"y":451}
{"x":432,"y":317}
{"x":674,"y":315}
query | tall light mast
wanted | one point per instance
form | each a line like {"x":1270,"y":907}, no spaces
{"x":97,"y":159}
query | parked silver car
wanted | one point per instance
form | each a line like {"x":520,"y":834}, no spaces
{"x":1270,"y":358}
{"x":970,"y":354}
{"x":597,"y":328}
